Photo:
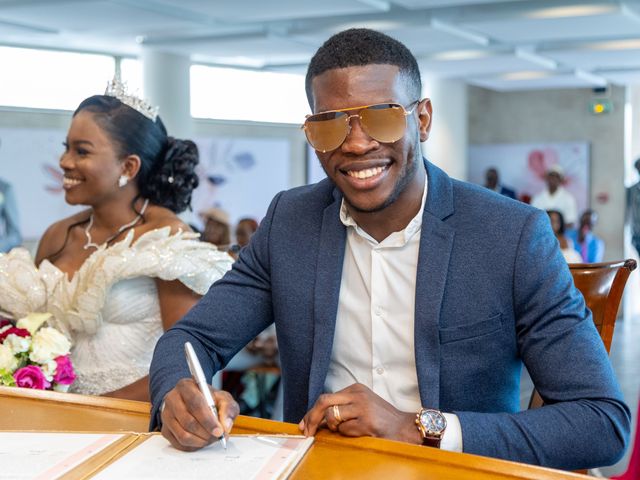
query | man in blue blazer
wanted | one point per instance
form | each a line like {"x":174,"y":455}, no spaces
{"x":405,"y":302}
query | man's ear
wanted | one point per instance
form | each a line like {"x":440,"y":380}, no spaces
{"x":425,"y":114}
{"x":131,"y":166}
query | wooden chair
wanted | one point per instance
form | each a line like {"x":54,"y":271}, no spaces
{"x":601,"y":285}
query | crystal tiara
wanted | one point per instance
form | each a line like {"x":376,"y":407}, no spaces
{"x":117,"y":89}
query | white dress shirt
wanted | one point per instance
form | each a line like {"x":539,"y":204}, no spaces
{"x":374,"y":336}
{"x":561,"y":200}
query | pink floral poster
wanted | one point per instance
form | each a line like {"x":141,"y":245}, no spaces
{"x":522,"y":167}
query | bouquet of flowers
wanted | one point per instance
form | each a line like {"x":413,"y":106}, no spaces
{"x":33,"y":355}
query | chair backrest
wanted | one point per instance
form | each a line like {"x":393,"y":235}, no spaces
{"x":601,"y":285}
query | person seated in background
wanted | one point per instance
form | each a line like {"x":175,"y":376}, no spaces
{"x":405,"y":301}
{"x":217,"y":228}
{"x":587,"y":244}
{"x":245,"y":229}
{"x":492,"y":182}
{"x":566,"y":244}
{"x":119,"y":273}
{"x":556,"y":197}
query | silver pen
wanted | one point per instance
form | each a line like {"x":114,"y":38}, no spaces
{"x":198,"y":377}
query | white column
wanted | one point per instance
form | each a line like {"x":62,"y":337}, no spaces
{"x":166,"y":84}
{"x":447,"y":143}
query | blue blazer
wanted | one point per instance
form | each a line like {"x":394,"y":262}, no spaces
{"x":493,"y":291}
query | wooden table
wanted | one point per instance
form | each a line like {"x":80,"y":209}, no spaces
{"x":331,"y":457}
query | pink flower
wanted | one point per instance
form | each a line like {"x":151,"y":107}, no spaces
{"x":31,"y":377}
{"x":65,"y":375}
{"x":20,"y":332}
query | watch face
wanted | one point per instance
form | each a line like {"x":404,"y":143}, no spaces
{"x":432,"y":421}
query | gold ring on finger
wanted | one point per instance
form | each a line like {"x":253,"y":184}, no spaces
{"x":336,"y":414}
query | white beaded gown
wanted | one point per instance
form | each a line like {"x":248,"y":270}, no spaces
{"x":110,"y":308}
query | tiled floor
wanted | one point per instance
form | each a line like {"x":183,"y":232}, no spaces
{"x":625,"y":357}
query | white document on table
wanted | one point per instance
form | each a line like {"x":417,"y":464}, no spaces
{"x":247,"y":457}
{"x":39,"y":455}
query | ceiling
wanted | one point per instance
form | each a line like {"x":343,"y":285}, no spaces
{"x":498,"y":44}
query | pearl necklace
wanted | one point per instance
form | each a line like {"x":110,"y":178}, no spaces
{"x":87,"y":232}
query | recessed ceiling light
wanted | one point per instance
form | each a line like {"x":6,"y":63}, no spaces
{"x":631,"y":44}
{"x":456,"y":55}
{"x":524,"y":75}
{"x":572,"y":11}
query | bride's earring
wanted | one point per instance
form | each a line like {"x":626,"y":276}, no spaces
{"x":123,"y":180}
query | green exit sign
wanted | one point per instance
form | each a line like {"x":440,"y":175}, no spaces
{"x":599,"y":107}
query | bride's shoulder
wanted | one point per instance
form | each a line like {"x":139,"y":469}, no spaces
{"x":158,"y":218}
{"x":54,"y":237}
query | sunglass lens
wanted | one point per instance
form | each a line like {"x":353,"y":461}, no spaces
{"x":326,"y":131}
{"x":386,"y":122}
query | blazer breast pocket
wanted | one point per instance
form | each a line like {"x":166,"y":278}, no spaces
{"x":471,"y":330}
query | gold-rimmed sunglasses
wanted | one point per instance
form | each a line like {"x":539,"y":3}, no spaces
{"x":384,"y":122}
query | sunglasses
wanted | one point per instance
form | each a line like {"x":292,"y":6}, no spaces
{"x":384,"y":122}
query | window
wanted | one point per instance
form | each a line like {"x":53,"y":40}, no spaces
{"x":233,"y":94}
{"x":131,"y":75}
{"x":49,"y":79}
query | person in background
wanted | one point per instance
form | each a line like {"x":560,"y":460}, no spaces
{"x":244,"y":231}
{"x":633,"y":210}
{"x":492,"y":182}
{"x":556,"y":197}
{"x":587,"y":244}
{"x":9,"y":226}
{"x":566,"y":244}
{"x":118,"y":273}
{"x":405,"y":305}
{"x":217,"y":229}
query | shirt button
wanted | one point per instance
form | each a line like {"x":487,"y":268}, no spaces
{"x":378,"y":311}
{"x":379,"y":370}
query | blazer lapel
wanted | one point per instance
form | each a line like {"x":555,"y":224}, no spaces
{"x":436,"y":244}
{"x":327,"y":291}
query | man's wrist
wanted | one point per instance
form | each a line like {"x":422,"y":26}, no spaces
{"x":410,"y":434}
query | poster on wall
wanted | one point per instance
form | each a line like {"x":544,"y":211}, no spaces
{"x":29,"y":161}
{"x":239,"y":175}
{"x":522,"y":167}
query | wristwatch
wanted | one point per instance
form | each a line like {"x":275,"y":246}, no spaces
{"x":431,"y":424}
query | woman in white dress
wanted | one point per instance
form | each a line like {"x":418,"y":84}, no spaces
{"x":119,"y":273}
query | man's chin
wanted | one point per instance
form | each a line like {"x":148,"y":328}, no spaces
{"x":371,"y":207}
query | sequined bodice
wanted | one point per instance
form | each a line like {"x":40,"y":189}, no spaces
{"x":110,"y":307}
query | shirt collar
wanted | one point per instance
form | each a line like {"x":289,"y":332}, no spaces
{"x":405,"y":235}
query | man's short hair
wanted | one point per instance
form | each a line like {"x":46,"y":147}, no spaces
{"x":359,"y":47}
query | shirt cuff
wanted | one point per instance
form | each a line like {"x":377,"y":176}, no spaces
{"x":452,"y":438}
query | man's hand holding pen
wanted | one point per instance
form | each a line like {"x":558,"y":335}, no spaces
{"x":186,"y":417}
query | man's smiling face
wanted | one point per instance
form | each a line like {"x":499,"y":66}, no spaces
{"x":370,"y":174}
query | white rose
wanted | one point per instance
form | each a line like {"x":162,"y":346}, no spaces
{"x":49,"y":369}
{"x":48,"y":343}
{"x":33,"y":321}
{"x":17,"y":344}
{"x":8,"y":361}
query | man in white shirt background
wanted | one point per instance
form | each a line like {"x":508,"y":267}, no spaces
{"x":556,"y":197}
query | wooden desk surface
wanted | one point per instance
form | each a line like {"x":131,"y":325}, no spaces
{"x":331,"y":456}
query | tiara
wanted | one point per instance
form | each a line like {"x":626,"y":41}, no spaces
{"x":117,"y":89}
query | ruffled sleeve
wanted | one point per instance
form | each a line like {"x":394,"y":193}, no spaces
{"x":22,"y":289}
{"x":156,"y":254}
